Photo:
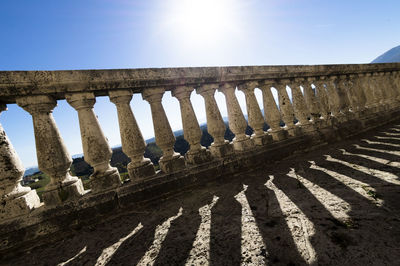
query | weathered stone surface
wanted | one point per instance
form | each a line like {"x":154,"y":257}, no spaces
{"x":197,"y":154}
{"x":15,"y":200}
{"x":14,"y":84}
{"x":96,"y":150}
{"x":215,"y":125}
{"x":165,"y":139}
{"x":237,"y":123}
{"x":286,"y":108}
{"x":52,"y":154}
{"x":255,"y":117}
{"x":132,"y":140}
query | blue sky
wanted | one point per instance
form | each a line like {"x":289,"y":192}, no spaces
{"x":101,"y":34}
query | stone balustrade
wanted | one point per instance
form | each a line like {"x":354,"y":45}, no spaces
{"x":313,"y":102}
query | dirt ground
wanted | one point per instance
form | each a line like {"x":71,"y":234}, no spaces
{"x":338,"y":205}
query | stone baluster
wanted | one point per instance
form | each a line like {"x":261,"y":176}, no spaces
{"x":237,"y":122}
{"x":192,"y":133}
{"x":96,"y":150}
{"x":15,"y":200}
{"x":255,"y":117}
{"x":359,"y":88}
{"x":341,"y":88}
{"x":376,"y":91}
{"x":215,"y":124}
{"x":311,"y":100}
{"x":396,"y":82}
{"x":368,"y":92}
{"x":381,"y":90}
{"x":395,"y":88}
{"x":52,"y":154}
{"x":321,"y":94}
{"x":271,"y":112}
{"x":334,"y":100}
{"x":300,"y":107}
{"x":355,"y":95}
{"x":171,"y":161}
{"x":133,"y":144}
{"x":348,"y":97}
{"x":391,"y":92}
{"x":286,"y":108}
{"x":385,"y":90}
{"x":390,"y":78}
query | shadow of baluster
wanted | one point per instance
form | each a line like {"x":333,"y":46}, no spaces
{"x":280,"y":246}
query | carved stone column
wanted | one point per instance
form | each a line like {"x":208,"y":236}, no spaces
{"x":323,"y":101}
{"x":52,"y":154}
{"x":15,"y":200}
{"x":391,"y":91}
{"x":133,"y":144}
{"x":215,"y":124}
{"x":362,"y":94}
{"x":311,"y":100}
{"x":376,"y":91}
{"x":368,"y":92}
{"x":357,"y":94}
{"x":170,"y":161}
{"x":255,"y":117}
{"x":271,"y":112}
{"x":286,"y":108}
{"x":192,"y":133}
{"x":395,"y":88}
{"x":346,"y":97}
{"x":383,"y":90}
{"x":395,"y":76}
{"x":397,"y":83}
{"x":334,"y":100}
{"x":300,"y":108}
{"x":96,"y":150}
{"x":237,"y":122}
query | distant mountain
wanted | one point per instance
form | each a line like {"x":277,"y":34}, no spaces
{"x":391,"y":56}
{"x":31,"y":170}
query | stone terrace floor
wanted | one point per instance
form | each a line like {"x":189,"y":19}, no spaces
{"x":336,"y":205}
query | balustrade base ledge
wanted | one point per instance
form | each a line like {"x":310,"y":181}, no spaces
{"x":177,"y":163}
{"x":105,"y":181}
{"x":142,"y":171}
{"x":201,"y":156}
{"x":55,"y":222}
{"x":221,"y":151}
{"x":295,"y":131}
{"x":243,"y":145}
{"x":261,"y":140}
{"x":65,"y":193}
{"x":279,"y":135}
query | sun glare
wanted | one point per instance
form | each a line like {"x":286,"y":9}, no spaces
{"x":201,"y":21}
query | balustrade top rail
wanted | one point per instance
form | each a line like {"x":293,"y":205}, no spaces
{"x":14,"y":84}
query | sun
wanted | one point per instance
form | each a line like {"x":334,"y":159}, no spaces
{"x":200,"y":21}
